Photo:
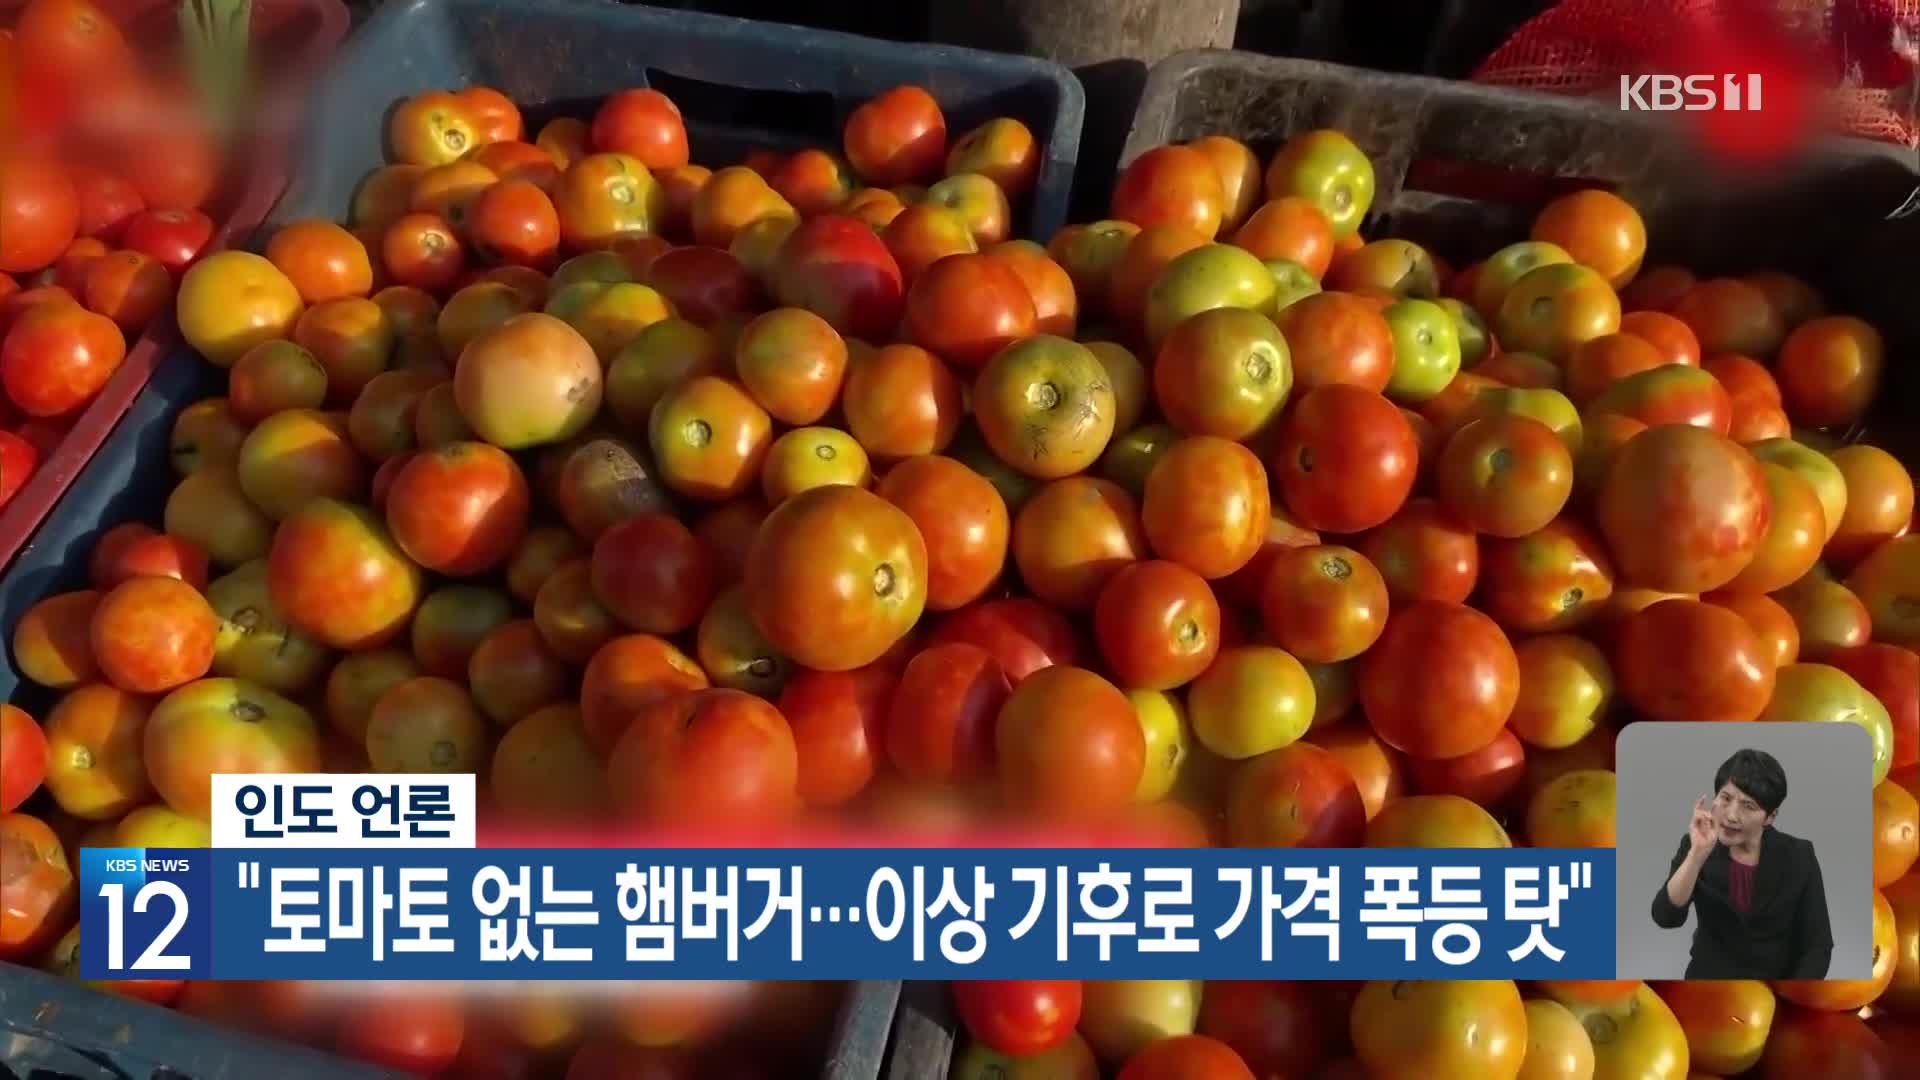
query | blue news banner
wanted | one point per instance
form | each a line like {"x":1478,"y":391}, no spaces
{"x":844,"y":914}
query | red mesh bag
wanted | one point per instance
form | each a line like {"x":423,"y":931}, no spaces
{"x":1857,"y":58}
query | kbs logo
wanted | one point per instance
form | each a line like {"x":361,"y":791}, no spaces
{"x":1690,"y":93}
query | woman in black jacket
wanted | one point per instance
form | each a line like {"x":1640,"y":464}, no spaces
{"x":1761,"y":907}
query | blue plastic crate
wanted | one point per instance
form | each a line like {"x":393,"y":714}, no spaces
{"x":740,"y":85}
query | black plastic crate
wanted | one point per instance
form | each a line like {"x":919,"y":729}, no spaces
{"x":740,"y":84}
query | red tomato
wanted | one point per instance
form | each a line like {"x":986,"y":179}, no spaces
{"x":963,"y":520}
{"x":1278,"y":1027}
{"x":1891,"y":674}
{"x":417,"y":1034}
{"x":1684,"y":659}
{"x":1158,"y":625}
{"x":39,"y":886}
{"x":1072,"y":536}
{"x":709,"y":757}
{"x":1486,"y":776}
{"x":1506,"y":475}
{"x":39,"y":212}
{"x":152,"y":634}
{"x":1207,"y":505}
{"x":626,"y":675}
{"x":1023,"y":634}
{"x":1171,"y":185}
{"x":1018,"y":1016}
{"x":153,"y":555}
{"x":653,"y":574}
{"x":642,"y":124}
{"x":1186,"y":1057}
{"x":1555,"y":578}
{"x":459,"y":509}
{"x":1069,"y":745}
{"x":171,"y":237}
{"x":56,"y":357}
{"x":1423,"y":551}
{"x":18,"y":459}
{"x":1683,"y":509}
{"x":1297,"y":796}
{"x":839,"y":722}
{"x":1345,"y":460}
{"x":940,"y":722}
{"x":967,"y":307}
{"x":899,"y":137}
{"x":337,"y":574}
{"x":106,"y":202}
{"x":836,"y":577}
{"x":1441,"y":681}
{"x":23,"y":757}
{"x":839,"y":269}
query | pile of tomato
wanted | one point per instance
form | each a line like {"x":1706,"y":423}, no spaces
{"x":102,"y":179}
{"x":801,"y":491}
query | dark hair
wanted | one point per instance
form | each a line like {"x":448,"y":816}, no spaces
{"x":1757,"y":773}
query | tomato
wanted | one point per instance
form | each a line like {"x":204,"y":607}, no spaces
{"x":39,"y":212}
{"x":1672,"y":339}
{"x":1345,"y":459}
{"x":811,"y":457}
{"x":839,"y":269}
{"x":1668,"y":394}
{"x":1566,"y":685}
{"x":1386,"y":270}
{"x":624,"y":676}
{"x":1045,"y":406}
{"x":1816,"y":467}
{"x":1505,"y":476}
{"x":1896,"y":833}
{"x":1290,"y":228}
{"x":129,"y":288}
{"x":323,"y":260}
{"x":25,"y":757}
{"x":418,"y":1033}
{"x":836,"y":576}
{"x":1687,"y":660}
{"x":1827,"y":614}
{"x":1158,"y":625}
{"x":1327,"y":169}
{"x":338,"y":575}
{"x":427,"y":724}
{"x":923,"y":234}
{"x":734,"y":651}
{"x":1171,"y":185}
{"x":293,"y":457}
{"x":452,"y":622}
{"x":1223,"y":372}
{"x":1891,"y":674}
{"x":1508,"y":265}
{"x":1486,"y":776}
{"x":40,"y":886}
{"x":603,"y":197}
{"x":1575,"y":809}
{"x":1634,"y":1032}
{"x":713,"y":756}
{"x":1186,"y":1056}
{"x":1435,"y":821}
{"x":1324,"y":603}
{"x":652,"y":574}
{"x":1072,"y":536}
{"x":980,"y":204}
{"x":172,"y":237}
{"x":1424,"y":551}
{"x":967,"y":307}
{"x":1251,"y":700}
{"x":962,"y":520}
{"x":254,"y":641}
{"x":643,"y":124}
{"x":514,"y":223}
{"x":1683,"y":509}
{"x":151,"y":634}
{"x":899,"y":137}
{"x":1599,"y":363}
{"x":1297,"y":796}
{"x":1812,"y":1043}
{"x":1554,"y":307}
{"x":1879,"y":501}
{"x":1378,"y":771}
{"x":1555,"y":578}
{"x":1846,"y":995}
{"x":901,"y":401}
{"x":422,"y":251}
{"x":1275,"y":1025}
{"x":1808,"y":692}
{"x":1338,"y":338}
{"x":92,"y":752}
{"x":1206,"y":505}
{"x":1120,"y":1017}
{"x":57,"y":357}
{"x":1599,"y":229}
{"x":792,"y":362}
{"x":1440,"y":682}
{"x":151,"y":555}
{"x":106,"y":201}
{"x":839,"y":722}
{"x":1056,"y":304}
{"x":1068,"y":745}
{"x":1726,"y":1021}
{"x":222,"y":725}
{"x":1021,"y":633}
{"x":1439,"y":1028}
{"x":1729,"y":315}
{"x":530,"y":380}
{"x":1072,"y":1059}
{"x":1019,"y":1016}
{"x":1557,"y":1046}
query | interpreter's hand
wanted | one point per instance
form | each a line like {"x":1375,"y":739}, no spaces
{"x":1700,"y":830}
